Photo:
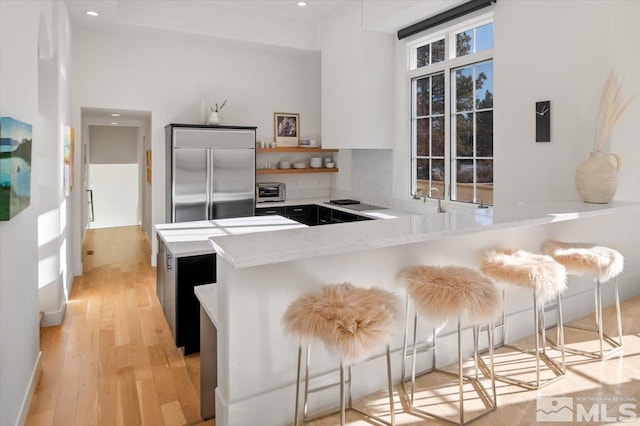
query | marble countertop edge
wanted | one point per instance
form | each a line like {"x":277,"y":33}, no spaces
{"x":246,"y":251}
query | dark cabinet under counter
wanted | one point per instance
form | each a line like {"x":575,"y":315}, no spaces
{"x":311,"y":214}
{"x":176,"y":279}
{"x":266,"y":211}
{"x":306,"y":214}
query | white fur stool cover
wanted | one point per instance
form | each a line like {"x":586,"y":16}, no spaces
{"x":447,"y":292}
{"x":351,"y":320}
{"x":583,"y":258}
{"x":539,"y":272}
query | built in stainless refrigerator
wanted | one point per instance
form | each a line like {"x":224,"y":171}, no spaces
{"x":212,"y":172}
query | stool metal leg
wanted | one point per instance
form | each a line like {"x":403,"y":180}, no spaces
{"x":504,"y":317}
{"x":345,"y":397}
{"x":342,"y":410}
{"x":539,"y":350}
{"x":404,"y":345}
{"x":536,"y":318}
{"x":306,"y":385}
{"x":476,"y":335}
{"x":413,"y":356}
{"x":599,"y":316}
{"x":350,"y":400}
{"x":392,"y":407}
{"x":489,"y":400}
{"x":492,"y":373}
{"x":616,"y":346}
{"x":543,"y":328}
{"x":298,"y":385}
{"x":618,"y":315}
{"x":460,"y":374}
{"x":560,"y":333}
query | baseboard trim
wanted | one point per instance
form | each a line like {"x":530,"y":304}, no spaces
{"x":51,"y":319}
{"x":33,"y":382}
{"x":77,"y":270}
{"x":147,"y":239}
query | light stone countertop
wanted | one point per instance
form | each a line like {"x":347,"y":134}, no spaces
{"x":293,"y":244}
{"x":184,"y":239}
{"x":192,"y":238}
{"x":207,"y":294}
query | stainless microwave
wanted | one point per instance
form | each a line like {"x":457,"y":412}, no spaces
{"x":271,"y":191}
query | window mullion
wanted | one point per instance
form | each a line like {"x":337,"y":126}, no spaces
{"x":450,"y":134}
{"x":429,"y":148}
{"x":474,"y":151}
{"x":414,"y":139}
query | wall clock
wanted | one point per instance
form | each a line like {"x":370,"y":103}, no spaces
{"x":543,"y":121}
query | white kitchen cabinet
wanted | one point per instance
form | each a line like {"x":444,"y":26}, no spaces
{"x":357,"y":82}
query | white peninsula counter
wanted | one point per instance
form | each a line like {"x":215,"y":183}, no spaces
{"x":259,"y":275}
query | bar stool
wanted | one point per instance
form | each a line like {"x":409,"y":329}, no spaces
{"x":547,"y":280}
{"x":351,"y":321}
{"x":439,"y":293}
{"x":604,"y":264}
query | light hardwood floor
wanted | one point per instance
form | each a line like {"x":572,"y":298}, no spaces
{"x":113,"y":360}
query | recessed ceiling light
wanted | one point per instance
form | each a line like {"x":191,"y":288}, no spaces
{"x":302,"y":3}
{"x":92,"y":13}
{"x":115,"y":114}
{"x":114,"y":123}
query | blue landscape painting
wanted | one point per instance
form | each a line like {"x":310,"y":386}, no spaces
{"x":15,"y":167}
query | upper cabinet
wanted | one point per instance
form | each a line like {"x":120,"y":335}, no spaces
{"x":357,"y":82}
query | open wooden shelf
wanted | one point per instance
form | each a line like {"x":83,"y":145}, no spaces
{"x":294,"y":171}
{"x":294,"y":149}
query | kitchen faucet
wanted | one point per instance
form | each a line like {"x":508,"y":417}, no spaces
{"x":440,"y":209}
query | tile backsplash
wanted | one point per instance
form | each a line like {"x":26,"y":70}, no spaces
{"x":372,"y":175}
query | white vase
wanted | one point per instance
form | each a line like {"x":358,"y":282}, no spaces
{"x":597,"y":177}
{"x":214,"y":119}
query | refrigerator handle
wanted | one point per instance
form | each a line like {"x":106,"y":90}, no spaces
{"x":209,"y":184}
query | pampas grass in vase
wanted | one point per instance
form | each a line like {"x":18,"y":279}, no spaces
{"x":597,"y":177}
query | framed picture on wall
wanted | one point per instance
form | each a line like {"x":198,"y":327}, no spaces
{"x":147,"y":163}
{"x":15,"y":166}
{"x":286,"y":128}
{"x":69,"y":147}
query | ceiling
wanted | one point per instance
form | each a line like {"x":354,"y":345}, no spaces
{"x":313,"y":11}
{"x":103,"y":117}
{"x":108,"y":9}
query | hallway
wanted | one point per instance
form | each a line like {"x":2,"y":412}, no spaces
{"x":113,"y":360}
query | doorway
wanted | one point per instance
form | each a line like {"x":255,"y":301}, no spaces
{"x":115,"y":145}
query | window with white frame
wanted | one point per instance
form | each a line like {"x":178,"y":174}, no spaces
{"x":452,"y":83}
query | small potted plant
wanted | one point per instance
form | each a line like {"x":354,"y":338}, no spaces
{"x":214,"y":118}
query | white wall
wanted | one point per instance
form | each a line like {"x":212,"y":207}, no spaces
{"x":625,"y":140}
{"x":114,"y":176}
{"x":56,"y":239}
{"x":566,"y":63}
{"x":113,"y":145}
{"x":18,"y":238}
{"x":115,"y":195}
{"x":26,"y":95}
{"x":167,"y":74}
